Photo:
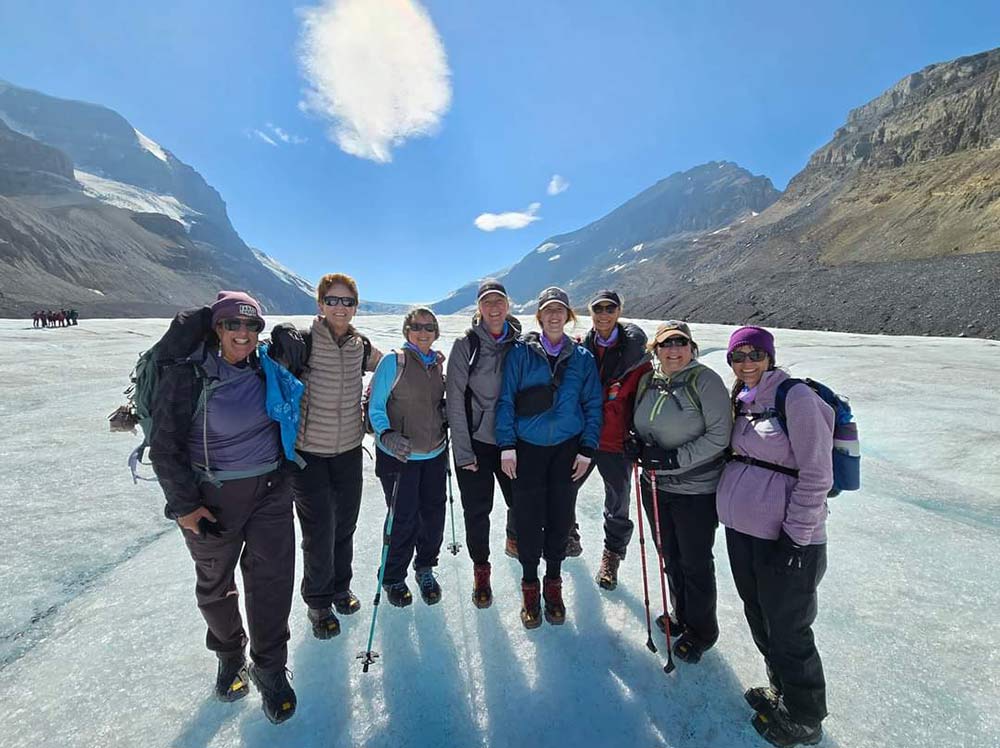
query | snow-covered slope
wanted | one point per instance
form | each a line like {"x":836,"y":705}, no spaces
{"x":101,"y":643}
{"x":134,"y":198}
{"x":288,"y":276}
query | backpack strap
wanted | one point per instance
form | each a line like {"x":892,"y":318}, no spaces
{"x":366,"y":344}
{"x":473,"y":340}
{"x":400,"y":365}
{"x":643,"y":385}
{"x":779,"y":400}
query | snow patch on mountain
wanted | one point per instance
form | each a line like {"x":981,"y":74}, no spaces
{"x":554,"y":257}
{"x":133,"y":198}
{"x":288,"y":276}
{"x":151,"y":145}
{"x":547,"y":247}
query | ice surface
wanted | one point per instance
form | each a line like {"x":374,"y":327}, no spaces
{"x":101,"y":643}
{"x":137,"y":199}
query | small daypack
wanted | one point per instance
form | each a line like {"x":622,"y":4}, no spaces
{"x":846,"y":447}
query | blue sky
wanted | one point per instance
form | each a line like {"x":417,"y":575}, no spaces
{"x":612,"y":96}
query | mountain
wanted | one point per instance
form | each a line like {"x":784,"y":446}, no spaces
{"x":892,"y":226}
{"x":703,"y":198}
{"x":95,"y":215}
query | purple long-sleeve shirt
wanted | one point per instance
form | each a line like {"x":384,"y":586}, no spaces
{"x":762,"y":502}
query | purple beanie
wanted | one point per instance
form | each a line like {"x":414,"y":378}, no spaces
{"x":758,"y":337}
{"x":229,"y":304}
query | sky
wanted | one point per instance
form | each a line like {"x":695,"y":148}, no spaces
{"x":420,"y":145}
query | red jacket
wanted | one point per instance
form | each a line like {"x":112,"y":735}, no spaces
{"x":621,"y":367}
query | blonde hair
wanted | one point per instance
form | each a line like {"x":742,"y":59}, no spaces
{"x":570,"y":316}
{"x":332,"y":279}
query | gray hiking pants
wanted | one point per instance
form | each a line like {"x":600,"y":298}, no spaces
{"x":616,"y":472}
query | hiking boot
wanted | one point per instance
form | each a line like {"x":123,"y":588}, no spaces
{"x":555,"y":611}
{"x":607,"y":573}
{"x":689,"y":648}
{"x":762,"y":699}
{"x":778,"y":728}
{"x":510,"y":547}
{"x":531,"y":609}
{"x":676,"y":627}
{"x":232,"y":682}
{"x":430,"y":590}
{"x":324,"y":623}
{"x":573,"y":547}
{"x":482,"y":593}
{"x":398,"y":594}
{"x":346,"y":603}
{"x":277,"y":697}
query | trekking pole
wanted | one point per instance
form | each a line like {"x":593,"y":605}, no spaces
{"x":663,"y":574}
{"x":642,"y":555}
{"x":454,"y":545}
{"x":368,"y":657}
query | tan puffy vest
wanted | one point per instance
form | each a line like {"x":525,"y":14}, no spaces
{"x":330,"y":419}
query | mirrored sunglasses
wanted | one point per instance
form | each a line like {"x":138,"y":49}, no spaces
{"x":251,"y":325}
{"x":756,"y":355}
{"x":347,"y":301}
{"x":675,"y":341}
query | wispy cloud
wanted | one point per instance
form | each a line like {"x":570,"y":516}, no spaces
{"x":272,"y":134}
{"x":511,"y":220}
{"x":376,"y":70}
{"x":557,"y":185}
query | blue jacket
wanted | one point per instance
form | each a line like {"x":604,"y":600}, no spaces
{"x":284,"y":391}
{"x":577,"y":407}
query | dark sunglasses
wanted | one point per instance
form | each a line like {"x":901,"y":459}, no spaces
{"x":418,"y":326}
{"x":603,"y":308}
{"x":738,"y":357}
{"x":347,"y":301}
{"x":251,"y":325}
{"x":675,"y":341}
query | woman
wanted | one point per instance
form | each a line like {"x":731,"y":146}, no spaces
{"x":330,"y":359}
{"x":475,"y":369}
{"x":772,"y":500}
{"x":682,"y":419}
{"x":547,"y":427}
{"x":218,"y":457}
{"x":622,"y":359}
{"x":407,"y":415}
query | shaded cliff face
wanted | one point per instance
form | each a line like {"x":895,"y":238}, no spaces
{"x":96,"y":215}
{"x":703,"y":198}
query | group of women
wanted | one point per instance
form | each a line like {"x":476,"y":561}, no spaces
{"x":534,"y":414}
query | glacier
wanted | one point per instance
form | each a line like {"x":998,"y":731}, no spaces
{"x":101,"y":643}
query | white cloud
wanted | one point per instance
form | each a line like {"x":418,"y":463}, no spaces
{"x":264,"y":136}
{"x":557,"y":185}
{"x":511,"y":220}
{"x":284,"y":136}
{"x":376,"y":70}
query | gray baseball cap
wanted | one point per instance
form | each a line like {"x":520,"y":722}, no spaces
{"x":553,"y":295}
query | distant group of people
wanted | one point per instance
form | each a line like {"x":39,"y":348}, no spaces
{"x":57,"y":318}
{"x":533,"y":414}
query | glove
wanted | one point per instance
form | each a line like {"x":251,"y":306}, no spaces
{"x":658,"y":458}
{"x":633,"y":447}
{"x":396,"y":443}
{"x":788,"y":555}
{"x":288,"y":347}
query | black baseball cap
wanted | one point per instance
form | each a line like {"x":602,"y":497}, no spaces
{"x":491,"y":285}
{"x":606,"y":295}
{"x":553,"y":295}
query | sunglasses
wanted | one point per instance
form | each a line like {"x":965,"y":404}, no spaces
{"x":603,"y":308}
{"x":347,"y":301}
{"x":418,"y":326}
{"x":738,"y":357}
{"x":250,"y":325}
{"x":674,"y":342}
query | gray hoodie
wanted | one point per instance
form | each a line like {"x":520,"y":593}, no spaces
{"x":484,"y":386}
{"x":668,"y":415}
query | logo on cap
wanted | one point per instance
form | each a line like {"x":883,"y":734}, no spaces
{"x":246,"y":310}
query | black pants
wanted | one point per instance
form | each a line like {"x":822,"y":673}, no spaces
{"x":476,"y":488}
{"x":327,"y":500}
{"x":687,"y":528}
{"x":258,"y":532}
{"x":780,"y":606}
{"x":616,"y":472}
{"x":418,"y":522}
{"x":543,"y":504}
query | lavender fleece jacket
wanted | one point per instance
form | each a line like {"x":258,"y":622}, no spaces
{"x":761,"y":502}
